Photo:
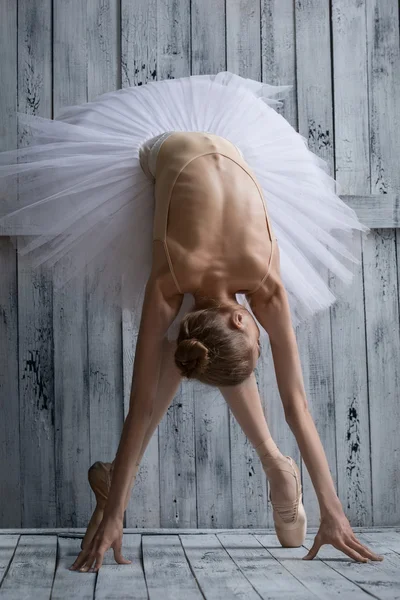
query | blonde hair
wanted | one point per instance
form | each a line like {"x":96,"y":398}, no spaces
{"x":211,"y":352}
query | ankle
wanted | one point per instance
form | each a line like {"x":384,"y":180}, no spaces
{"x":269,"y":453}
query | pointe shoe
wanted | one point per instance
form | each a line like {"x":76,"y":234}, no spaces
{"x":290,"y":519}
{"x":99,"y":476}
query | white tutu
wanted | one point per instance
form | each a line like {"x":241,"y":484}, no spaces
{"x":80,"y":191}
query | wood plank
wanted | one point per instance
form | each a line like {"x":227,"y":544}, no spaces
{"x":389,"y":539}
{"x":35,"y":291}
{"x":381,"y":579}
{"x":248,"y":481}
{"x":322,"y":580}
{"x":348,"y":314}
{"x":69,"y":304}
{"x":123,"y":582}
{"x":208,"y":35}
{"x":71,"y":584}
{"x":266,"y":574}
{"x":10,"y":505}
{"x":168,"y":575}
{"x":278,"y":68}
{"x":8,"y":544}
{"x":243,"y":48}
{"x":139,"y":42}
{"x":139,"y":51}
{"x":177,"y":433}
{"x":375,"y":210}
{"x":316,"y":125}
{"x":103,"y":295}
{"x":79,"y":531}
{"x":278,"y":52}
{"x":32,"y":568}
{"x":217,"y":574}
{"x":380,"y":272}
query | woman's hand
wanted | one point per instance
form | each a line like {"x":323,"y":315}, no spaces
{"x":108,"y":535}
{"x":336,"y":530}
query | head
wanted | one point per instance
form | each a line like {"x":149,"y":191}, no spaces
{"x":218,"y":345}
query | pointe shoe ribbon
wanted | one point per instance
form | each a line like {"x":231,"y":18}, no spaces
{"x":290,"y":518}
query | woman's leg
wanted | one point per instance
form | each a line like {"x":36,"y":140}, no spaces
{"x":245,"y":403}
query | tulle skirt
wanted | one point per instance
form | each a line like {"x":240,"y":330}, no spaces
{"x":79,"y":200}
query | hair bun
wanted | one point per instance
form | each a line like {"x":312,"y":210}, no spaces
{"x":191,"y":356}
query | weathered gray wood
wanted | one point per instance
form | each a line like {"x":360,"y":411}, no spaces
{"x":64,"y":427}
{"x":208,"y":35}
{"x":138,"y":65}
{"x":380,"y":273}
{"x":35,"y":293}
{"x":249,"y":489}
{"x":122,"y":582}
{"x":32,"y":569}
{"x":376,"y":210}
{"x":104,"y":313}
{"x":217,"y":574}
{"x":10,"y":506}
{"x":322,"y":580}
{"x":168,"y":575}
{"x":385,"y":539}
{"x":243,"y":50}
{"x":8,"y":543}
{"x":139,"y":45}
{"x":69,"y":304}
{"x":378,"y":578}
{"x":177,"y":434}
{"x":278,"y":51}
{"x":266,"y":574}
{"x":348,"y":315}
{"x":71,"y":584}
{"x":213,"y":474}
{"x":316,"y":125}
{"x":278,"y":56}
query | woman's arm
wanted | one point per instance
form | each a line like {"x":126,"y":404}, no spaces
{"x":274,"y":316}
{"x":271,"y":308}
{"x":157,"y":315}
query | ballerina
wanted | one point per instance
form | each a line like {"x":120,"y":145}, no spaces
{"x":243,"y":214}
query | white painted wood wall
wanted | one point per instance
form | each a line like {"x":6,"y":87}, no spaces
{"x":66,"y":360}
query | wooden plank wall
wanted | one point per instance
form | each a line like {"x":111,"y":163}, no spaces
{"x":66,"y":358}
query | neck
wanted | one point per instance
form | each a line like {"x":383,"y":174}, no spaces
{"x":208,"y":300}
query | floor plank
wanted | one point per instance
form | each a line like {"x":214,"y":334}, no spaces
{"x":8,"y":543}
{"x":32,"y":568}
{"x":217,"y":574}
{"x":265,"y":573}
{"x":381,"y":579}
{"x":322,"y":580}
{"x":123,"y":581}
{"x":71,"y":584}
{"x":167,"y":572}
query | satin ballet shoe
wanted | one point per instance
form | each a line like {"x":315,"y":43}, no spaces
{"x":290,"y":519}
{"x":99,"y":476}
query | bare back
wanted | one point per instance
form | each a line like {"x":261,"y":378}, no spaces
{"x":211,"y":227}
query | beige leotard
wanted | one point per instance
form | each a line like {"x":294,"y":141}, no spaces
{"x":208,"y":199}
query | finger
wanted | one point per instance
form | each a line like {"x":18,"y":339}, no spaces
{"x":119,"y":558}
{"x":357,"y":545}
{"x":87,"y":564}
{"x":82,"y":556}
{"x":314,"y":549}
{"x":99,"y":560}
{"x":352,"y":553}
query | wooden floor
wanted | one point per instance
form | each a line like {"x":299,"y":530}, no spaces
{"x":211,"y":564}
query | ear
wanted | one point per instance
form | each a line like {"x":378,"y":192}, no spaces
{"x":237,"y":319}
